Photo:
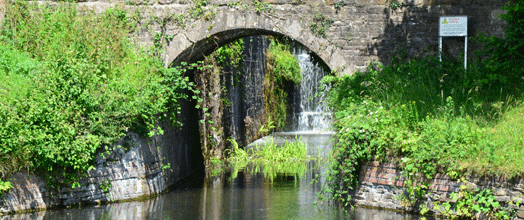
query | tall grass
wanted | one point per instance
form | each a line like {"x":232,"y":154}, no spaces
{"x":422,"y":105}
{"x":270,"y":159}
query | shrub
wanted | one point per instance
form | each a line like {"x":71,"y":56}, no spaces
{"x":73,"y":84}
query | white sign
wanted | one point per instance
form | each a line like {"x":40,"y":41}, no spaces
{"x":453,"y":26}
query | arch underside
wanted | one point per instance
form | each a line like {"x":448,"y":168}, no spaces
{"x":204,"y":37}
{"x":206,"y":46}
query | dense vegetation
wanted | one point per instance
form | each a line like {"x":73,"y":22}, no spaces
{"x":282,"y":71}
{"x":429,"y":116}
{"x":72,"y":84}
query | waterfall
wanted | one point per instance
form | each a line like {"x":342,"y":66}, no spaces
{"x":311,"y":112}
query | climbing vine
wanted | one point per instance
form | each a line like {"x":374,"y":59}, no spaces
{"x":212,"y":96}
{"x":470,"y":202}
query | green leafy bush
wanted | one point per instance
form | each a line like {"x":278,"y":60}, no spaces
{"x":74,"y":83}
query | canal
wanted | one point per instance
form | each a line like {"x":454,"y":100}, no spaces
{"x":249,"y":193}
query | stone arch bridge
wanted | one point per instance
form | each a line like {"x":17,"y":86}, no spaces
{"x":357,"y":33}
{"x":347,"y":34}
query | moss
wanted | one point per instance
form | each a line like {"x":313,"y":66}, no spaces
{"x":282,"y":71}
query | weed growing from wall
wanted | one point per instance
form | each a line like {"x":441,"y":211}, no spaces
{"x":320,"y":24}
{"x":394,"y":4}
{"x":262,"y":7}
{"x":5,"y":186}
{"x":257,"y":6}
{"x":202,"y":9}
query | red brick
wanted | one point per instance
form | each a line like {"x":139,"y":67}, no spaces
{"x":399,"y":183}
{"x":444,"y":188}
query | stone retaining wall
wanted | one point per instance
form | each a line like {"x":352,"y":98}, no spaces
{"x":141,"y":170}
{"x":381,"y":186}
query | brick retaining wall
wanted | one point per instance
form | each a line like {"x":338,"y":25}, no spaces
{"x":382,"y":186}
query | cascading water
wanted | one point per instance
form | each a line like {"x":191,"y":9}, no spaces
{"x":311,"y":111}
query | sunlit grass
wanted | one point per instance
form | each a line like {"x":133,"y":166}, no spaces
{"x":270,"y":159}
{"x":506,"y":157}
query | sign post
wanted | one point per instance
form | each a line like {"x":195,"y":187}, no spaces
{"x":453,"y":26}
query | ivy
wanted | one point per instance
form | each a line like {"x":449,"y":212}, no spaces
{"x":470,"y":202}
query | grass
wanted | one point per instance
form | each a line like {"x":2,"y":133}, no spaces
{"x":435,"y":113}
{"x":270,"y":159}
{"x":507,"y":157}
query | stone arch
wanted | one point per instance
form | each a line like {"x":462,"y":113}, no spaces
{"x":229,"y":24}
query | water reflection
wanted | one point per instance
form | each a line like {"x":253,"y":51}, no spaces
{"x":247,"y":197}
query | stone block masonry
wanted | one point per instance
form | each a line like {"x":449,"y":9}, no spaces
{"x":120,"y":175}
{"x":381,"y":185}
{"x":362,"y":31}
